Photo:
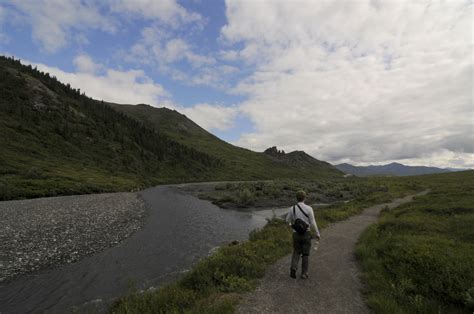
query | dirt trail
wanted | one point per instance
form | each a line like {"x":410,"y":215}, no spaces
{"x":333,"y":285}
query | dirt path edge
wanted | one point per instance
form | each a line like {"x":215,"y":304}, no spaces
{"x":333,"y":285}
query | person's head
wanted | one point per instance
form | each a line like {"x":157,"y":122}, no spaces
{"x":300,"y":196}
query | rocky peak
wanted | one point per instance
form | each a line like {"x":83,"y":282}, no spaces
{"x":273,"y":151}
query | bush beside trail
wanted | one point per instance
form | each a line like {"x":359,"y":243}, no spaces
{"x":419,"y":258}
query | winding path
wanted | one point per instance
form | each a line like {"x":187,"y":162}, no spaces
{"x":333,"y":285}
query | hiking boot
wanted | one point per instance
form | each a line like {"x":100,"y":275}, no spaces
{"x":293,"y":273}
{"x":304,"y":276}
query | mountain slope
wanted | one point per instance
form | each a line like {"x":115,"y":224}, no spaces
{"x":57,"y":141}
{"x":239,"y":162}
{"x":296,"y":158}
{"x":394,"y":169}
{"x":182,"y":129}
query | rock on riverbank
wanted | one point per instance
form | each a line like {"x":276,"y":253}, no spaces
{"x":47,"y":232}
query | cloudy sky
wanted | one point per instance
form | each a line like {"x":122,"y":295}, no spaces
{"x":359,"y":81}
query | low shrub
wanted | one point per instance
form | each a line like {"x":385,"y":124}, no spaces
{"x":418,"y":258}
{"x":245,"y":197}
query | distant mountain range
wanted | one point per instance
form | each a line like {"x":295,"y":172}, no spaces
{"x":392,"y":169}
{"x":55,"y":140}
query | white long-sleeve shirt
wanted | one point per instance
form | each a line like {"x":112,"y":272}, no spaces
{"x":298,"y":214}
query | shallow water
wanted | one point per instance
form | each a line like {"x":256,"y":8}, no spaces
{"x":280,"y":212}
{"x":179,"y":230}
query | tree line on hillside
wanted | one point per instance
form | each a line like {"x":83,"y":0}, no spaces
{"x":52,"y":121}
{"x":50,"y":81}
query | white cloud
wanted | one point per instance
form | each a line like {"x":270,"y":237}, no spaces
{"x":157,"y":45}
{"x":53,"y":20}
{"x":81,"y":39}
{"x":124,"y":87}
{"x":177,"y":49}
{"x":229,"y":55}
{"x":166,"y":11}
{"x":159,"y":48}
{"x":84,"y":64}
{"x":211,"y":117}
{"x":359,"y":81}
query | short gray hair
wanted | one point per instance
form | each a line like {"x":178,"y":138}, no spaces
{"x":300,"y":196}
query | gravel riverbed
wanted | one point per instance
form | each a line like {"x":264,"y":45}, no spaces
{"x":47,"y":232}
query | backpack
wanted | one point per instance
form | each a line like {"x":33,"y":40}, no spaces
{"x":299,"y":225}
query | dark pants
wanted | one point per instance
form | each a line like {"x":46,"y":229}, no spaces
{"x":301,"y":247}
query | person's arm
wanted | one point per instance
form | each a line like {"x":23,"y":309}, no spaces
{"x":289,"y":216}
{"x":313,"y":223}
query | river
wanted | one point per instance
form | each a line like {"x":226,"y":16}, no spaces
{"x":179,"y":230}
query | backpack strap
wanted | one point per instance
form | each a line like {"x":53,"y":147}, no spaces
{"x":307,"y":217}
{"x":300,"y":210}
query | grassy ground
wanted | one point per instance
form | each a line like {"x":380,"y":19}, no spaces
{"x":419,"y":258}
{"x":379,"y":190}
{"x":278,"y":193}
{"x":214,"y":284}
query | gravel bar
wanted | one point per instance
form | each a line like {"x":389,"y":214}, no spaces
{"x":48,"y":232}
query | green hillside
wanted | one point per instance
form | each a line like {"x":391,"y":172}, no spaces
{"x":240,"y":162}
{"x":56,"y":141}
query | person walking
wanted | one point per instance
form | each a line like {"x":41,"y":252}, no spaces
{"x":301,"y":219}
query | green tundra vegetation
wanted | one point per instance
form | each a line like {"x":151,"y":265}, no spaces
{"x":419,"y":258}
{"x":57,"y":141}
{"x":214,"y":285}
{"x":280,"y":193}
